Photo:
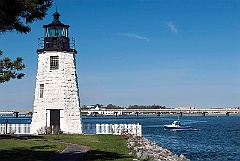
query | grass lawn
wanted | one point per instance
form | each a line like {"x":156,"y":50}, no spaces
{"x":27,"y":149}
{"x":102,"y":147}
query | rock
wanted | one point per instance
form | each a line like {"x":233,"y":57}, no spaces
{"x":146,"y":149}
{"x":183,"y":158}
{"x":138,"y":154}
{"x":144,"y":155}
{"x":135,"y":160}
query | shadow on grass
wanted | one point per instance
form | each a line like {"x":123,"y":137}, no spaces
{"x":24,"y":137}
{"x":22,"y":154}
{"x":101,"y":155}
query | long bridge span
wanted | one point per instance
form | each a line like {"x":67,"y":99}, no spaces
{"x":12,"y":111}
{"x":158,"y":112}
{"x":15,"y":113}
{"x":126,"y":111}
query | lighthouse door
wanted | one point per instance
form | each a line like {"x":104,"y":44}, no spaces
{"x":55,"y":121}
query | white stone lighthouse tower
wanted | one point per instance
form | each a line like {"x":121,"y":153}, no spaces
{"x":56,"y":104}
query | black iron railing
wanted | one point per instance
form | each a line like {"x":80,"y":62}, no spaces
{"x":56,"y":44}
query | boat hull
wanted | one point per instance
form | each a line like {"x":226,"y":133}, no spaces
{"x":177,"y":128}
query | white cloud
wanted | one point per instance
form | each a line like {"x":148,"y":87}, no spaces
{"x":171,"y":26}
{"x":135,"y":36}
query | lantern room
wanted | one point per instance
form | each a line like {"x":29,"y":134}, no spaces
{"x":56,"y":37}
{"x":56,"y":28}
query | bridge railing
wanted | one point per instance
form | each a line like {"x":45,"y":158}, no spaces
{"x":119,"y":129}
{"x":15,"y":128}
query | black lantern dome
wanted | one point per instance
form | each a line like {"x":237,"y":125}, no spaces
{"x":56,"y":36}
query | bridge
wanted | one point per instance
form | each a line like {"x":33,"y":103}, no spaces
{"x":20,"y":111}
{"x":126,"y":111}
{"x":15,"y":113}
{"x":203,"y":112}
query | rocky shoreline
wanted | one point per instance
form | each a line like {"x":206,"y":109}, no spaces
{"x":145,"y":149}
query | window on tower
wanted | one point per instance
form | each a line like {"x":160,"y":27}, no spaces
{"x":41,"y":90}
{"x":54,"y":62}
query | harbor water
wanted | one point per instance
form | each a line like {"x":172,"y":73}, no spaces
{"x":213,"y":137}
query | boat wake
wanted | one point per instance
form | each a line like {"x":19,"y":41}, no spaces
{"x":190,"y":129}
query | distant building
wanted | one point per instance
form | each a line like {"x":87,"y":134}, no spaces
{"x":185,"y":108}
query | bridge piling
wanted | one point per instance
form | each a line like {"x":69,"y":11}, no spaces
{"x":204,"y":114}
{"x":136,"y":114}
{"x":15,"y":114}
{"x":180,"y":114}
{"x":94,"y":114}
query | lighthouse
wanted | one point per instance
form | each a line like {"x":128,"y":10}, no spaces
{"x":56,"y":104}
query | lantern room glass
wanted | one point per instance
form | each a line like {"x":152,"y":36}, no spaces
{"x":56,"y":31}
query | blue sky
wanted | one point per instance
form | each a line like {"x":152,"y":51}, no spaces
{"x":172,"y":53}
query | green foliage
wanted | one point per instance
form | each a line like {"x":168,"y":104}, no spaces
{"x":9,"y":69}
{"x":17,"y":14}
{"x":146,"y":107}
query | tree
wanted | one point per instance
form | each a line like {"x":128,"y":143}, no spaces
{"x":9,"y":68}
{"x":17,"y":15}
{"x":111,"y":106}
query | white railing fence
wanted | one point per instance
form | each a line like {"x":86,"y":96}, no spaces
{"x":119,"y":129}
{"x":15,"y":128}
{"x":115,"y":129}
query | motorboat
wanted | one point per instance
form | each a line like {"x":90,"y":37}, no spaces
{"x":176,"y":125}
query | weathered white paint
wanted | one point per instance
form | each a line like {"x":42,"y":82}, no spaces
{"x":60,"y":92}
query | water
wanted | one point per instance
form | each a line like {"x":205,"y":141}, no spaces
{"x":12,"y":120}
{"x":215,"y":137}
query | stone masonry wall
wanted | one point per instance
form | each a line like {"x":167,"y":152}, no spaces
{"x":60,"y":92}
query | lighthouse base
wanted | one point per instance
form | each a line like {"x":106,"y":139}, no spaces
{"x":54,"y":122}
